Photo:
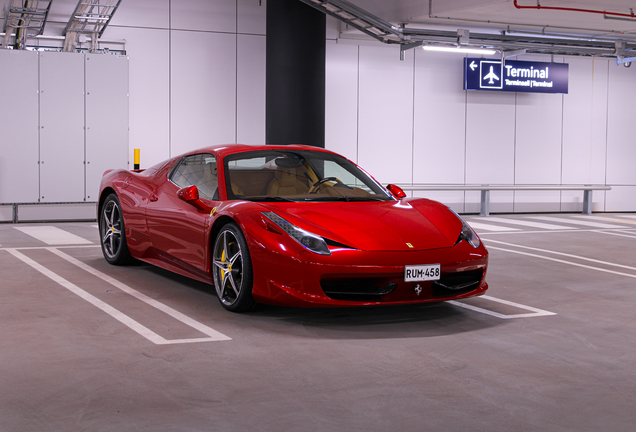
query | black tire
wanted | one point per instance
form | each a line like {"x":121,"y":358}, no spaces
{"x":112,"y":232}
{"x":232,"y":270}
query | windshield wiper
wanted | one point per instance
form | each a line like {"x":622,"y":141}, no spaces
{"x":345,"y":198}
{"x":349,"y":198}
{"x":272,"y":199}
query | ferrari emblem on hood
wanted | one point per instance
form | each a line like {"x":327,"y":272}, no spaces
{"x":410,"y":245}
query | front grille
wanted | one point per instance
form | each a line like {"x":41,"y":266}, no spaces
{"x":356,"y":289}
{"x":457,"y":283}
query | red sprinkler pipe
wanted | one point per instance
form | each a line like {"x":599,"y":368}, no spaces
{"x":538,"y":6}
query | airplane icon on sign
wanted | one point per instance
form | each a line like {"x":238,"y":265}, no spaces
{"x":490,"y":76}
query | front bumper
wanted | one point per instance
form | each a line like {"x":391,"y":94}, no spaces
{"x":291,"y":276}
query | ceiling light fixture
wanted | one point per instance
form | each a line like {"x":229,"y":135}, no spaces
{"x":459,"y":49}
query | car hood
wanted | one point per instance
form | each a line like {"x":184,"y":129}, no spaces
{"x":415,"y":224}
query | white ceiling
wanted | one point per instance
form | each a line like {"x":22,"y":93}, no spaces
{"x":501,"y":14}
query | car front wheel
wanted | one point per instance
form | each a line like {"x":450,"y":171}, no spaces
{"x":232,"y":270}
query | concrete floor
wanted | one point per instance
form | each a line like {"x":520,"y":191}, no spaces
{"x":559,"y":355}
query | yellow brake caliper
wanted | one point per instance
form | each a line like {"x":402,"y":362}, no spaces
{"x":229,"y":266}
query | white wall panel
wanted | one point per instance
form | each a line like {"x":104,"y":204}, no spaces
{"x":333,"y":28}
{"x":61,"y":127}
{"x":251,"y":17}
{"x":61,"y":11}
{"x":204,"y":15}
{"x":572,"y":201}
{"x":6,"y":212}
{"x":19,"y":172}
{"x":452,"y":199}
{"x":250,"y":89}
{"x":490,"y":137}
{"x":621,"y":151}
{"x":538,"y":138}
{"x":385,"y":139}
{"x":599,"y":119}
{"x":106,"y":117}
{"x":584,"y":122}
{"x":500,"y":202}
{"x":141,"y":14}
{"x":439,"y":119}
{"x":537,"y":201}
{"x":203,"y":78}
{"x":621,"y":198}
{"x":341,"y":99}
{"x":149,"y":53}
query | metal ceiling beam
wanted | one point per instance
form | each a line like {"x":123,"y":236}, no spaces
{"x":27,"y":19}
{"x":89,"y":17}
{"x":359,"y":19}
{"x":408,"y":38}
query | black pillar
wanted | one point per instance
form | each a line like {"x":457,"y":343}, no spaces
{"x":295,"y":81}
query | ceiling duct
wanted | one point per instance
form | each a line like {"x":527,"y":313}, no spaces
{"x":503,"y":41}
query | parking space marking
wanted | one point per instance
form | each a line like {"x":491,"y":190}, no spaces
{"x":530,"y":224}
{"x":575,"y":222}
{"x":53,"y":236}
{"x":563,"y":254}
{"x":565,"y":262}
{"x":118,"y":315}
{"x":486,"y":227}
{"x":215,"y":335}
{"x":534,"y":311}
{"x":608,"y":219}
{"x":624,"y":233}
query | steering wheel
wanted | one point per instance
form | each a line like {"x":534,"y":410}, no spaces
{"x":314,"y":188}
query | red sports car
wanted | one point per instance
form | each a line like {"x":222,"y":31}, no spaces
{"x":288,"y":225}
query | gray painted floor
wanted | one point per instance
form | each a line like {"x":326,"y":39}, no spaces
{"x":551,"y":348}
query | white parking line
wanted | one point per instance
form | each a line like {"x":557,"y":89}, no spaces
{"x":608,"y":219}
{"x":53,"y":236}
{"x":563,"y":254}
{"x":529,"y":223}
{"x":534,"y":311}
{"x":575,"y":222}
{"x":565,"y":262}
{"x":479,"y":226}
{"x":119,"y":316}
{"x":625,"y":233}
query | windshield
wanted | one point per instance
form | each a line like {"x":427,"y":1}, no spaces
{"x":298,"y":175}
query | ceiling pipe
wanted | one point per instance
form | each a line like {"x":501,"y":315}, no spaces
{"x":538,"y":6}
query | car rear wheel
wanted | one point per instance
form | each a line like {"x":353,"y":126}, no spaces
{"x":112,"y":232}
{"x":232,"y":270}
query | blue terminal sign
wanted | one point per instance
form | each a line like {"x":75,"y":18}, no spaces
{"x":515,"y":76}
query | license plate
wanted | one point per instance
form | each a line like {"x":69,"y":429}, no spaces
{"x":420,"y":273}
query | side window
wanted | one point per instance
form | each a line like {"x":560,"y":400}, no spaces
{"x":198,"y":170}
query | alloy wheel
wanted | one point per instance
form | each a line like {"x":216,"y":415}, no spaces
{"x":111,"y":229}
{"x":228,"y":267}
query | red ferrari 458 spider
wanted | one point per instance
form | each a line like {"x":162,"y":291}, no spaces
{"x":288,"y":225}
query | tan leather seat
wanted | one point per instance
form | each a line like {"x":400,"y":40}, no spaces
{"x":286,"y":182}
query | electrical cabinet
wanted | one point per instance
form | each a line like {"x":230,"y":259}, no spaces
{"x":19,"y":174}
{"x":61,"y":127}
{"x":64,"y":121}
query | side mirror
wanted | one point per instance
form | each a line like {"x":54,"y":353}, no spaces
{"x":396,"y":191}
{"x":190,"y":194}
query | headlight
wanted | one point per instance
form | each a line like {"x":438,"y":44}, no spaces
{"x":311,"y":241}
{"x":467,"y":233}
